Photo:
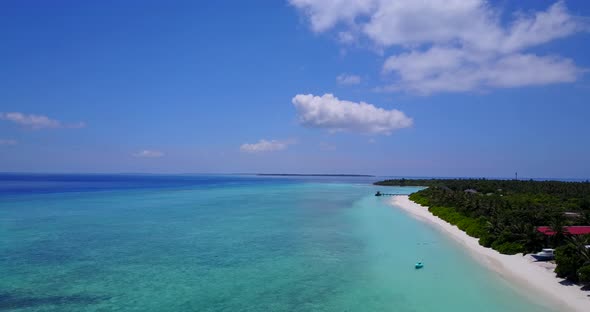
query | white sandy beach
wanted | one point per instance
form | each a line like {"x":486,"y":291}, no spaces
{"x":535,"y":279}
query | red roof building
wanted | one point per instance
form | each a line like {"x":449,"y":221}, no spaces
{"x":571,"y":230}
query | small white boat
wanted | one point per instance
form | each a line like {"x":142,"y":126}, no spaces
{"x":545,"y":255}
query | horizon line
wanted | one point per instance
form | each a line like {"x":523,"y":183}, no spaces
{"x":524,"y":178}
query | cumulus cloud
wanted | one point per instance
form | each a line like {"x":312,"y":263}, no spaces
{"x":329,"y":112}
{"x":265,"y":146}
{"x":453,"y":45}
{"x":324,"y":14}
{"x":37,"y":121}
{"x":541,"y":27}
{"x":346,"y":79}
{"x":149,"y":154}
{"x":7,"y":142}
{"x":448,"y":69}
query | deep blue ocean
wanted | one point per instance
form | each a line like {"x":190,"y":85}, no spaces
{"x":229,"y":243}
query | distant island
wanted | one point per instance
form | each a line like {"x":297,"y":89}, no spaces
{"x":313,"y":175}
{"x":515,"y":216}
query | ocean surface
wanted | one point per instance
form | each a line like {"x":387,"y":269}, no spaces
{"x":228,"y":243}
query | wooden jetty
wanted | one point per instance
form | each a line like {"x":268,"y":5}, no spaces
{"x":386,"y":194}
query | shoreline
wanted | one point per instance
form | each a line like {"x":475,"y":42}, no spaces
{"x":534,"y":279}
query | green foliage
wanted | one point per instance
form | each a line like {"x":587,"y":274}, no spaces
{"x":562,"y":196}
{"x":508,"y":248}
{"x":504,"y":214}
{"x":487,"y":240}
{"x":557,"y":224}
{"x":473,"y":227}
{"x":584,"y":274}
{"x":568,"y":262}
{"x":418,"y":198}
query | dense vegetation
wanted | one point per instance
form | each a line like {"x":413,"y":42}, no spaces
{"x":505,"y":214}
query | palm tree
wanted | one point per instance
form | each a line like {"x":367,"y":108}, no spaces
{"x":557,"y":225}
{"x":580,"y":242}
{"x":584,"y":218}
{"x":493,"y":226}
{"x":528,"y":236}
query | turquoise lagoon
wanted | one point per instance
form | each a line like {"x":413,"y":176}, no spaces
{"x":228,"y":243}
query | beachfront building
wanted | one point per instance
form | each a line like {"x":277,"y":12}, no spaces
{"x":567,"y":230}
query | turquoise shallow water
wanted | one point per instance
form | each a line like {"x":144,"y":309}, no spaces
{"x":272,"y":246}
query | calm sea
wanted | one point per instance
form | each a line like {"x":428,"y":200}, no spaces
{"x":228,"y":243}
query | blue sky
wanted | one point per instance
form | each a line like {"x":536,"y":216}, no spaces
{"x":469,"y":88}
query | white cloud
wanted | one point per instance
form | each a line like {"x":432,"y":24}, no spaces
{"x":7,"y":142}
{"x":37,"y":121}
{"x":453,"y":45}
{"x":149,"y":154}
{"x":33,"y":121}
{"x":542,"y":27}
{"x":346,"y":79}
{"x":322,"y":14}
{"x":411,"y":22}
{"x":346,"y":37}
{"x":446,"y":69}
{"x":328,"y":112}
{"x":265,"y":146}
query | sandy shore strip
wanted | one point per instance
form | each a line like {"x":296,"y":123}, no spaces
{"x":536,"y":279}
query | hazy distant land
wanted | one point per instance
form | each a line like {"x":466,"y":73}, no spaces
{"x":313,"y":175}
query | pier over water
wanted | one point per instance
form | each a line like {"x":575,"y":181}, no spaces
{"x":387,"y":194}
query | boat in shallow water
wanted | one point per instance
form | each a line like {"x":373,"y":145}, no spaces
{"x":419,"y":265}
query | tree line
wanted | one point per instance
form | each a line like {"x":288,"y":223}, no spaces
{"x":505,"y":214}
